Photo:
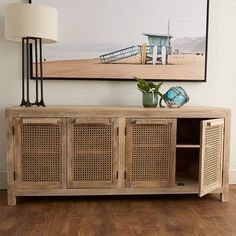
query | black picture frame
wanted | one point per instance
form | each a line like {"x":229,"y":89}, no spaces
{"x":204,"y":78}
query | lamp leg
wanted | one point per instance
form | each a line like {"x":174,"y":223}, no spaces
{"x":28,"y":104}
{"x":36,"y":71}
{"x":23,"y":102}
{"x":41,"y":103}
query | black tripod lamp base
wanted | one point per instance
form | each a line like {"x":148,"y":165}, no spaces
{"x":28,"y":68}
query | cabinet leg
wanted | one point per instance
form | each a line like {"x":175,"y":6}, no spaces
{"x":224,"y":197}
{"x":11,"y":198}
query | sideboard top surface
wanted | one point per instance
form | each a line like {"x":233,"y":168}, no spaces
{"x":116,"y":111}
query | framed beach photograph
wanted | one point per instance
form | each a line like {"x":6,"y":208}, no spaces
{"x":119,"y":39}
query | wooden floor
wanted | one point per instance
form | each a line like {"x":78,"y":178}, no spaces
{"x":119,"y":215}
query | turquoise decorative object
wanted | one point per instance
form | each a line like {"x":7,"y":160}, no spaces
{"x":175,"y":97}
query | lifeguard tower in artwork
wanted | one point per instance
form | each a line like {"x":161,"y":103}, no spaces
{"x":161,"y":47}
{"x":158,"y":49}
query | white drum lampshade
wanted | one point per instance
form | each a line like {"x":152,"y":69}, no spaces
{"x":30,"y":20}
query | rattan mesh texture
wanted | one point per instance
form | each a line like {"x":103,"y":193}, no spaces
{"x":41,"y":152}
{"x":212,"y":154}
{"x":92,"y":160}
{"x":150,"y":152}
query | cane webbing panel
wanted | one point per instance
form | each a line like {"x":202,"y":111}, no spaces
{"x":151,"y":150}
{"x":212,"y":155}
{"x":92,"y":148}
{"x":41,"y":152}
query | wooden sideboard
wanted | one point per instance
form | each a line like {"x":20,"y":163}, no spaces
{"x":98,"y":150}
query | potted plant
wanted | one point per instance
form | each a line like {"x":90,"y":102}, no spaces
{"x":150,"y":92}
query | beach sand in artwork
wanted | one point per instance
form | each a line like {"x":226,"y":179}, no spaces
{"x":179,"y":67}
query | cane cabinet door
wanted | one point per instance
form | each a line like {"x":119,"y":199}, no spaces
{"x":92,"y":152}
{"x":40,"y":152}
{"x":150,"y":152}
{"x":211,"y":155}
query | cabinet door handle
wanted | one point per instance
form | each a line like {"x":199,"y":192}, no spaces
{"x":125,"y":175}
{"x":117,"y":174}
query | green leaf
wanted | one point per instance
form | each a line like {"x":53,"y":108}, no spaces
{"x":157,"y":88}
{"x":148,"y":86}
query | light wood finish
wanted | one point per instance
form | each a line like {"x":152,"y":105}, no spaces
{"x":129,"y":112}
{"x":121,"y":153}
{"x":10,"y":159}
{"x":211,"y":155}
{"x":188,"y":146}
{"x":184,"y":118}
{"x":226,"y":158}
{"x":119,"y":215}
{"x":191,"y":187}
{"x":150,"y":152}
{"x":40,"y":150}
{"x":40,"y":121}
{"x":92,"y":152}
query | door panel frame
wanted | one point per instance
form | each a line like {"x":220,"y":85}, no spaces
{"x":172,"y":162}
{"x":203,"y":190}
{"x":19,"y":184}
{"x":115,"y":152}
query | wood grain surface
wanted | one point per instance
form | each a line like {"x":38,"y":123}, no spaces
{"x":119,"y":215}
{"x":121,"y":115}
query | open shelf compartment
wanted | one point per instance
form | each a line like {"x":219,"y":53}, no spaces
{"x":188,"y":133}
{"x":187,"y":166}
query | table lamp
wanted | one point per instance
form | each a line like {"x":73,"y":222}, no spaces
{"x":33,"y":25}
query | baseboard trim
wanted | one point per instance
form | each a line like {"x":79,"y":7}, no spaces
{"x":3,"y":178}
{"x":232,"y":176}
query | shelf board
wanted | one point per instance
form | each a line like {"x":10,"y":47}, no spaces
{"x":187,"y":145}
{"x":187,"y":181}
{"x":188,"y":188}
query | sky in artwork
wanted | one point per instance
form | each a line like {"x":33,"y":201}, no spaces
{"x":88,"y":28}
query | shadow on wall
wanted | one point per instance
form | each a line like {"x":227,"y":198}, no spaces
{"x":2,"y":7}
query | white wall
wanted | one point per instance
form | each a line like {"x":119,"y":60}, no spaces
{"x":220,"y":89}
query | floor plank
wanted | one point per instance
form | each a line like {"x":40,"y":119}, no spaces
{"x":119,"y":215}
